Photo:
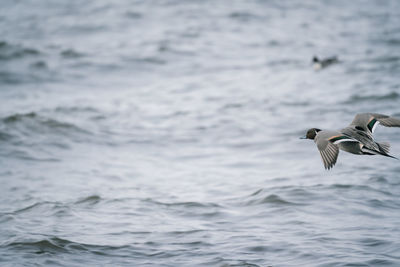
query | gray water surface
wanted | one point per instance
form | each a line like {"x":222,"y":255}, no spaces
{"x":165,"y":133}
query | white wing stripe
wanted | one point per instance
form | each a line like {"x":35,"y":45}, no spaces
{"x":344,"y":140}
{"x":374,"y":127}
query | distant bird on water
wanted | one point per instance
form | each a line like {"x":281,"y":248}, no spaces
{"x":356,"y":138}
{"x":323,"y":63}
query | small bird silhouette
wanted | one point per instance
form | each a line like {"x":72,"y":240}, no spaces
{"x":323,"y":63}
{"x":356,"y":138}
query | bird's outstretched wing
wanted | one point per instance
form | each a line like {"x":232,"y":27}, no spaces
{"x":368,"y":121}
{"x":327,"y":145}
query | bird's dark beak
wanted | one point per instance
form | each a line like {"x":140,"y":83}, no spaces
{"x":303,"y":137}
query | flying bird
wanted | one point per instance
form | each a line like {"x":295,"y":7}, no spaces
{"x":357,"y":138}
{"x":322,"y":63}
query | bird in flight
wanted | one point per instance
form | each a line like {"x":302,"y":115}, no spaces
{"x":323,"y":63}
{"x":356,"y":138}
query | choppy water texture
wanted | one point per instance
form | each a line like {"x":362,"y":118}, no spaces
{"x":165,"y":133}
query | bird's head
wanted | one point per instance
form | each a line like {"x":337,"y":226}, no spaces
{"x":311,"y":133}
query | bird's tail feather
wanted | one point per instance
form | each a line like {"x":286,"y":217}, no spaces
{"x":384,"y":147}
{"x":368,"y":151}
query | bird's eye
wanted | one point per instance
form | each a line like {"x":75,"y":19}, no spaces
{"x":359,"y":128}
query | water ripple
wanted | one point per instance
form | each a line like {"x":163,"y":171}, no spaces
{"x":10,"y":51}
{"x":165,"y":133}
{"x":392,"y":96}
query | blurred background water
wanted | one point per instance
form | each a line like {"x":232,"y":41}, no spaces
{"x":165,"y":133}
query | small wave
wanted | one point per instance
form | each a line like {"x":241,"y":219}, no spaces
{"x":55,"y":244}
{"x":133,"y":15}
{"x":275,"y":43}
{"x":5,"y":136}
{"x":28,"y":208}
{"x":29,"y":132}
{"x":10,"y":51}
{"x":363,"y":98}
{"x":58,"y":124}
{"x":31,"y":156}
{"x":184,"y":233}
{"x":189,"y":204}
{"x":41,"y":246}
{"x":46,"y":206}
{"x":263,"y":196}
{"x":269,"y":199}
{"x":233,"y":263}
{"x":89,"y":112}
{"x":296,"y":103}
{"x":7,"y":77}
{"x":70,"y":53}
{"x":18,"y":117}
{"x":242,"y":16}
{"x":92,"y":200}
{"x":230,"y":106}
{"x":164,"y":47}
{"x":38,"y":65}
{"x":394,"y":42}
{"x":388,"y":204}
{"x":345,"y":186}
{"x":378,"y":179}
{"x":261,"y":248}
{"x":6,"y":217}
{"x":386,"y":59}
{"x":68,"y":110}
{"x":194,"y":244}
{"x":301,"y":192}
{"x":153,"y":60}
{"x":40,"y":121}
{"x":348,"y":187}
{"x":373,"y":242}
{"x":379,"y":262}
{"x":190,"y":208}
{"x":84,"y":28}
{"x":283,"y":62}
{"x":359,"y":188}
{"x":257,"y":192}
